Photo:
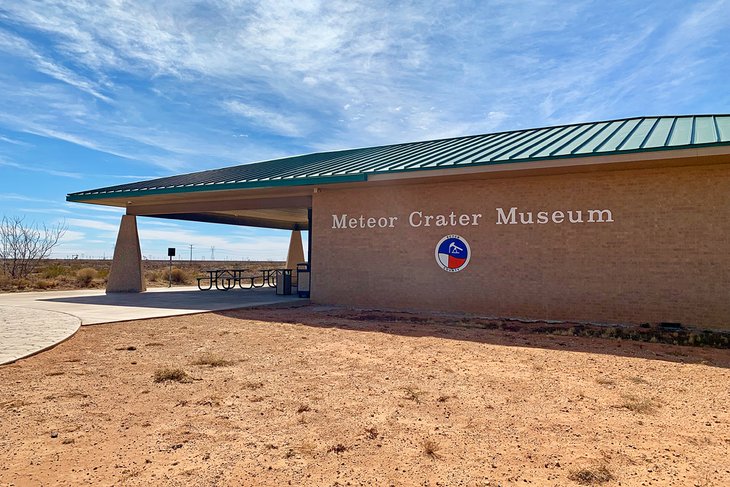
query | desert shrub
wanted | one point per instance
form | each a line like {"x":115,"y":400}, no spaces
{"x":171,"y":375}
{"x":103,"y":273}
{"x":5,"y":281}
{"x":21,"y":284}
{"x":179,"y":276}
{"x":54,"y":270}
{"x":85,"y":276}
{"x":431,"y":449}
{"x":592,"y":476}
{"x":150,"y":276}
{"x":45,"y":284}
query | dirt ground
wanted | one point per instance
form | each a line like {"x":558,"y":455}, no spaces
{"x":319,"y":396}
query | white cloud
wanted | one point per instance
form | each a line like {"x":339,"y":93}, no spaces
{"x":20,"y":46}
{"x":72,"y":236}
{"x":237,"y":246}
{"x":92,"y":224}
{"x":13,"y":141}
{"x":52,"y":172}
{"x":21,"y":197}
{"x":278,"y":123}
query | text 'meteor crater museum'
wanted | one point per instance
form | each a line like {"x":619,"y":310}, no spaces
{"x":622,"y":221}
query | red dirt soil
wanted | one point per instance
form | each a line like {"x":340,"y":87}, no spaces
{"x":320,"y":396}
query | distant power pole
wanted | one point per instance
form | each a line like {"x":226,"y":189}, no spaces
{"x":191,"y":252}
{"x":212,"y":253}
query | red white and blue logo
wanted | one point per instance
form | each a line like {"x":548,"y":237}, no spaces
{"x":453,"y":253}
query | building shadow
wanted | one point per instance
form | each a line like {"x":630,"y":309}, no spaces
{"x":508,"y":333}
{"x":183,"y":299}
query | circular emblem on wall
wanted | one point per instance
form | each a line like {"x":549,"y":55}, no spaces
{"x":453,"y":253}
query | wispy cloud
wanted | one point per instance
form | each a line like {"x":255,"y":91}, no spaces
{"x":278,"y":123}
{"x":92,"y":224}
{"x":41,"y":169}
{"x":20,"y":46}
{"x":21,"y":197}
{"x":13,"y":141}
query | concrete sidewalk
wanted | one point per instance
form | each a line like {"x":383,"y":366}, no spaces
{"x":95,"y":306}
{"x":32,"y":322}
{"x":24,"y":332}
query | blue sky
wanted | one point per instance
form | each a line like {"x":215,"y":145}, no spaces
{"x":96,"y":93}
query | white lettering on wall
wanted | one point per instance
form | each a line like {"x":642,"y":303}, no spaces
{"x":338,"y":223}
{"x":592,"y":213}
{"x":557,"y":216}
{"x":342,"y":221}
{"x":503,"y":219}
{"x":417,"y":218}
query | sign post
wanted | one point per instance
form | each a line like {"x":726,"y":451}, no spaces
{"x":170,"y":254}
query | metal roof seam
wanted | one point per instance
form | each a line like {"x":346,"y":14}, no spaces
{"x":628,"y":136}
{"x":500,"y":145}
{"x":548,"y":142}
{"x":649,"y":133}
{"x":591,"y":138}
{"x":453,"y":152}
{"x":566,"y":144}
{"x":718,"y":137}
{"x":671,"y":131}
{"x":605,"y":141}
{"x":479,"y":150}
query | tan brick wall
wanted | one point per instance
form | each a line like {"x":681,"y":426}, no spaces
{"x":665,"y":258}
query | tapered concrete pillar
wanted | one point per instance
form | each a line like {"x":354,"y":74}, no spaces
{"x":295,"y":255}
{"x":126,"y":273}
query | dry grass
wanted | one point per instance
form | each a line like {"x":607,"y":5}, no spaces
{"x":637,"y":404}
{"x":591,"y":476}
{"x":338,"y":448}
{"x":604,"y":381}
{"x":308,"y":448}
{"x":413,"y":394}
{"x":213,"y":360}
{"x":638,"y":380}
{"x":303,"y":408}
{"x":172,"y":375}
{"x":252,"y":385}
{"x":431,"y":449}
{"x":13,"y":404}
{"x":371,"y":433}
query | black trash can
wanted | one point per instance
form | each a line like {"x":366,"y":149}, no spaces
{"x":283,"y":282}
{"x":303,"y":276}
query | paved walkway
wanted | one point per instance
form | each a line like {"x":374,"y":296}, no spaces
{"x":25,"y":331}
{"x":32,"y":322}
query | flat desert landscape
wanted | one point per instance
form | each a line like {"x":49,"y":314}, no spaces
{"x":334,"y":397}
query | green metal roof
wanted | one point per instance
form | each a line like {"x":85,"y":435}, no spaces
{"x":629,"y":135}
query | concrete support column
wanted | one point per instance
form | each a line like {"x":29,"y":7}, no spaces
{"x":126,"y":272}
{"x":295,"y":255}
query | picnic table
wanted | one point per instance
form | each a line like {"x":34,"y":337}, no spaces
{"x":225,"y":279}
